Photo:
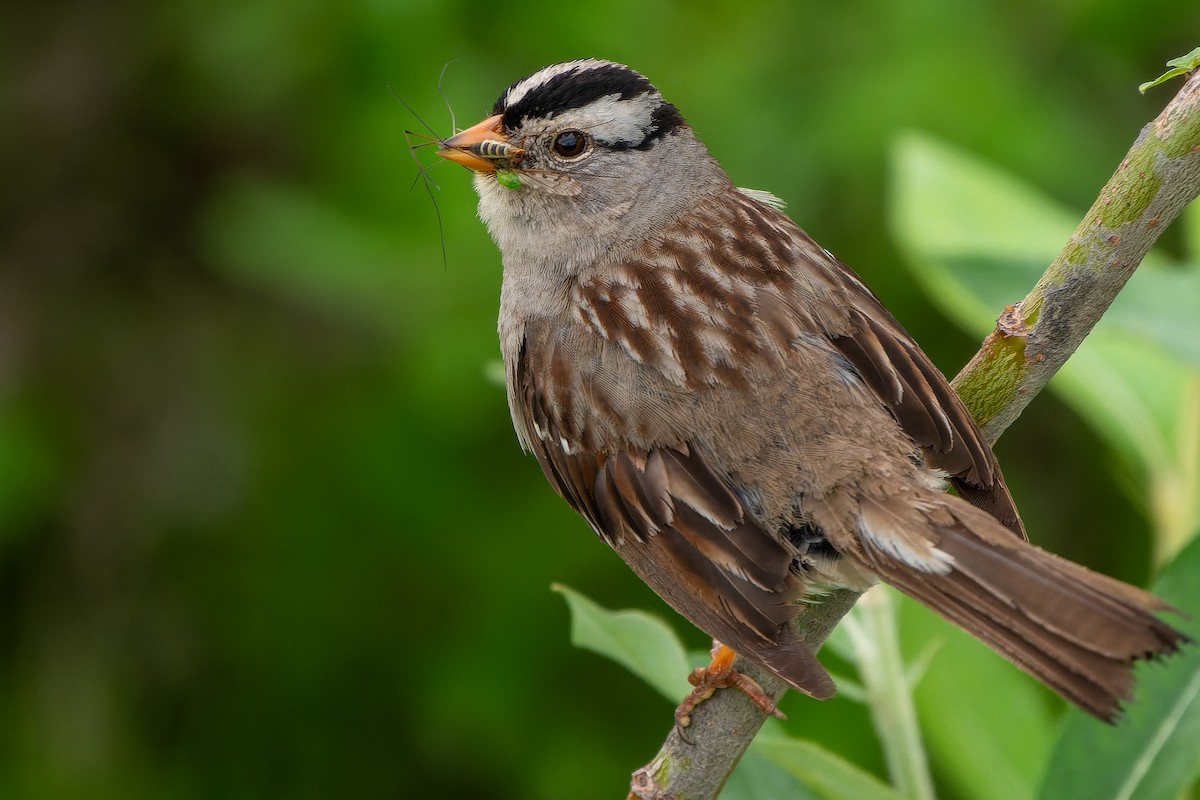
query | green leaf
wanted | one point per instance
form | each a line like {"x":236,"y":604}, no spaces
{"x":839,"y":642}
{"x":979,"y":239}
{"x":848,"y":688}
{"x":641,"y":642}
{"x":919,"y":665}
{"x":1189,"y":220}
{"x":757,"y":777}
{"x":874,"y":628}
{"x":827,"y":776}
{"x":1153,"y":753}
{"x":968,"y":702}
{"x":1162,"y":307}
{"x":949,"y":210}
{"x":1182,"y":66}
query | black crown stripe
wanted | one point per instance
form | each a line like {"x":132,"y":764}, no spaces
{"x":579,"y":86}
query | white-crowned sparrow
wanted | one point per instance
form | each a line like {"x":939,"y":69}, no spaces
{"x":737,"y":415}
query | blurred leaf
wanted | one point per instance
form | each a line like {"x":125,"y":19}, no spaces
{"x":873,"y":626}
{"x":827,"y":775}
{"x":980,"y":239}
{"x":291,"y":240}
{"x":1163,"y":306}
{"x":641,"y":642}
{"x":920,"y":663}
{"x":1105,"y":381}
{"x":27,"y":471}
{"x":1189,"y":221}
{"x":968,"y":702}
{"x":849,"y":688}
{"x":839,"y":642}
{"x":1152,"y":754}
{"x":758,"y":777}
{"x":1149,"y":409}
{"x":949,"y":211}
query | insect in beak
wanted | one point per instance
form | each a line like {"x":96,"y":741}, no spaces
{"x":482,"y":147}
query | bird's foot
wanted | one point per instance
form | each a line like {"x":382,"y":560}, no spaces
{"x":720,"y":674}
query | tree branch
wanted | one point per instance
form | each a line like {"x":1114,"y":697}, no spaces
{"x":723,"y":726}
{"x":1157,"y":178}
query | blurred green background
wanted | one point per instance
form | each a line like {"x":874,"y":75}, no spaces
{"x":265,"y":530}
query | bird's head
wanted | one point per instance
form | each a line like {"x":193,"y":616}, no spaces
{"x":584,"y":148}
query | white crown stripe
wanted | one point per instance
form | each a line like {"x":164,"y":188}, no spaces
{"x":540,"y":78}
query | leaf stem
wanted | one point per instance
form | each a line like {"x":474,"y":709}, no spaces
{"x":873,"y":630}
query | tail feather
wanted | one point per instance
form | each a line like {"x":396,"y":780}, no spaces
{"x":793,"y":661}
{"x":1077,"y":631}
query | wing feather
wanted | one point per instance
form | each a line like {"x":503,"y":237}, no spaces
{"x":670,"y":514}
{"x":920,"y":398}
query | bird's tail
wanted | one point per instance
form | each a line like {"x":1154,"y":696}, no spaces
{"x":1075,"y":630}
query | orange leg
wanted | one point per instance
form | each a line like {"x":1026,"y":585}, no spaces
{"x":720,"y":674}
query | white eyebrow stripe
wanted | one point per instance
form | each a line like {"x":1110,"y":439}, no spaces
{"x":612,"y":120}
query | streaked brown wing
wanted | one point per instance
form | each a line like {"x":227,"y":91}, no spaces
{"x":687,"y":534}
{"x":918,"y":395}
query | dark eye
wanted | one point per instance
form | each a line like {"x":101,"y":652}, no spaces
{"x":570,"y":144}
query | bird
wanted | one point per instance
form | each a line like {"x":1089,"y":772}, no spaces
{"x":739,"y":417}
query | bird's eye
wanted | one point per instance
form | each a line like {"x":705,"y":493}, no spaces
{"x":570,"y":144}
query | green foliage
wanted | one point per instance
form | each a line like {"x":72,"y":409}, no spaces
{"x":264,"y":528}
{"x":27,"y":472}
{"x":1136,"y":379}
{"x":1152,"y":755}
{"x":969,"y":706}
{"x":826,"y":775}
{"x":640,"y":642}
{"x":759,"y":777}
{"x":887,"y":687}
{"x":775,"y":766}
{"x":981,"y":239}
{"x":979,"y":715}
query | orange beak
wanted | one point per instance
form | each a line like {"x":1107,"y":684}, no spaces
{"x":479,"y":147}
